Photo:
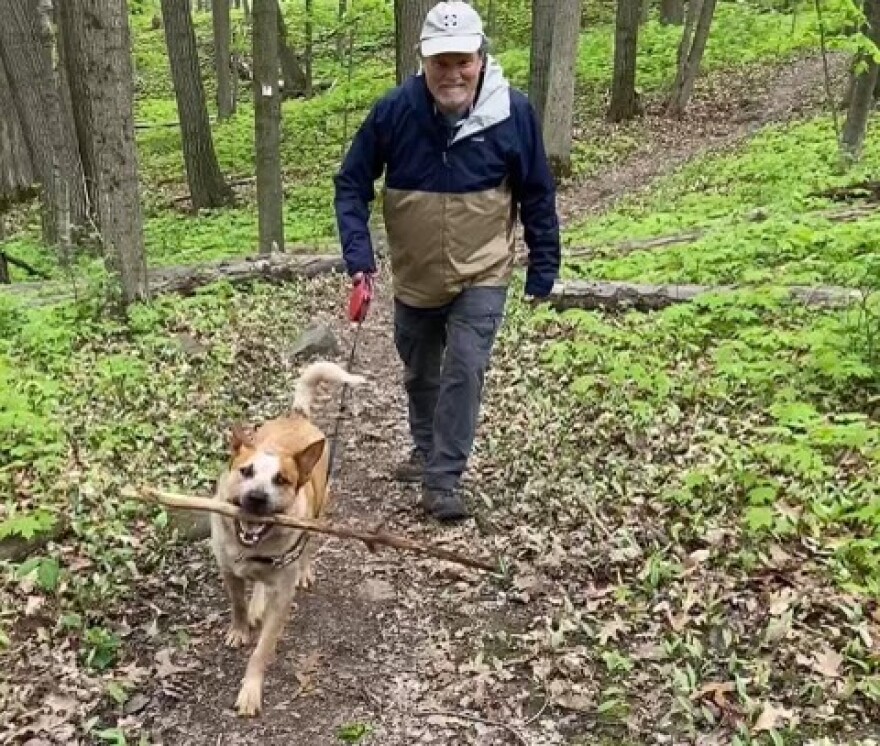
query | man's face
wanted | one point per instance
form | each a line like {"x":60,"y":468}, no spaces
{"x":452,"y":79}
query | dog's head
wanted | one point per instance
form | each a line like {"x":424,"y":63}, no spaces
{"x":266,"y":480}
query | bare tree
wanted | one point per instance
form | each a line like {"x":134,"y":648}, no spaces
{"x":690,"y":53}
{"x":296,"y":80}
{"x":865,"y":83}
{"x":16,"y":166}
{"x":27,"y":51}
{"x":624,"y":99}
{"x":98,"y":47}
{"x":555,"y":33}
{"x":409,"y":15}
{"x":267,"y":124}
{"x":222,"y":31}
{"x":207,"y":186}
{"x":672,"y":12}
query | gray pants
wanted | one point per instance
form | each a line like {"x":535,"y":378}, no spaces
{"x":446,"y":352}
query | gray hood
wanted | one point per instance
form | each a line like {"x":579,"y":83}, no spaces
{"x":493,"y":103}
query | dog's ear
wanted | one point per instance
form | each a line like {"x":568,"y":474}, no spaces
{"x":240,"y":438}
{"x":306,"y":460}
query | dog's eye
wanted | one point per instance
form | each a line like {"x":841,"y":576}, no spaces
{"x":280,"y":480}
{"x":247,"y":471}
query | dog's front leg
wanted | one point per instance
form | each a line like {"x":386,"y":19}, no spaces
{"x":278,"y":604}
{"x":239,"y":632}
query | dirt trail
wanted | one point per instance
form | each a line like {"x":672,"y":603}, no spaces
{"x":356,"y":646}
{"x":352,"y":650}
{"x":727,"y":109}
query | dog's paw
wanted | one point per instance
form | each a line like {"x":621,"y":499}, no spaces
{"x":250,"y":698}
{"x":238,"y":636}
{"x":306,"y":577}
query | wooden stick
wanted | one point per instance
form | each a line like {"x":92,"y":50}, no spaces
{"x":370,"y":538}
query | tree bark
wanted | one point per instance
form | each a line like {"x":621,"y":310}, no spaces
{"x":864,"y":85}
{"x":409,"y":15}
{"x":295,"y":78}
{"x":25,"y":62}
{"x":554,"y":81}
{"x":308,"y":52}
{"x":206,"y":183}
{"x":672,"y":12}
{"x":222,"y":28}
{"x":541,"y":53}
{"x":16,"y":166}
{"x":624,"y":100}
{"x":98,"y":45}
{"x":691,"y":54}
{"x":267,"y":123}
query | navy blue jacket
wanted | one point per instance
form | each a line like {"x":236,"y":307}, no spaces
{"x":499,"y":144}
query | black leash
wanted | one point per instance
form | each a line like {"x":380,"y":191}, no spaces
{"x":334,"y":442}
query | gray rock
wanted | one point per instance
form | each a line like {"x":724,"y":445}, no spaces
{"x":316,"y":339}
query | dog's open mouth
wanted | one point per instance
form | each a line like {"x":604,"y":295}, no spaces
{"x":250,"y":534}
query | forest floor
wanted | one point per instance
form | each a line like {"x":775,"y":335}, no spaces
{"x":397,"y":650}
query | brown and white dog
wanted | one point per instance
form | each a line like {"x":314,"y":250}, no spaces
{"x":281,"y":468}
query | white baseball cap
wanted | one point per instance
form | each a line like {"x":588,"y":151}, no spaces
{"x":451,"y":27}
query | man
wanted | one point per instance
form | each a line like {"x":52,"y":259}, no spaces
{"x":462,"y":154}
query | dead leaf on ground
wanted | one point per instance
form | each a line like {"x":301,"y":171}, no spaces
{"x":771,"y":717}
{"x":827,"y":662}
{"x":165,"y":668}
{"x":717,"y":690}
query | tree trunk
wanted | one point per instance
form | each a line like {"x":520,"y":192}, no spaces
{"x":16,"y":166}
{"x":645,"y":11}
{"x":98,"y":45}
{"x":26,"y":69}
{"x":409,"y":15}
{"x":206,"y":183}
{"x":295,"y":79}
{"x":628,"y":296}
{"x":624,"y":100}
{"x":309,"y":52}
{"x":78,"y":201}
{"x":340,"y":31}
{"x":554,"y":80}
{"x":691,"y":54}
{"x":222,"y":28}
{"x":672,"y":12}
{"x":865,"y":83}
{"x":540,"y":56}
{"x":267,"y":123}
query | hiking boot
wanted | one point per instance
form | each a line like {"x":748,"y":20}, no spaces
{"x":444,"y":505}
{"x":412,"y":469}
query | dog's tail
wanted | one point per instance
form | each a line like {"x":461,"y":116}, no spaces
{"x":322,"y":371}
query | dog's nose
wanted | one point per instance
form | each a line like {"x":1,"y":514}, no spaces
{"x":255,"y":500}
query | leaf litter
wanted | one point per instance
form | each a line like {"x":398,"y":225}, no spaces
{"x":619,"y":619}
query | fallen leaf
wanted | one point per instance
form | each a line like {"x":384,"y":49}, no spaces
{"x":699,"y":556}
{"x":771,"y":717}
{"x":610,"y":630}
{"x":166,"y":668}
{"x":827,"y":663}
{"x":33,"y":605}
{"x":718,"y":690}
{"x":576,"y":702}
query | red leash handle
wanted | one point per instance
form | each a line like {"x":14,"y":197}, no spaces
{"x":359,"y":299}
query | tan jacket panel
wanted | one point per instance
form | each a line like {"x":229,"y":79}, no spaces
{"x":441,"y":243}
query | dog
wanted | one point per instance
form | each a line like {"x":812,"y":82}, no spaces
{"x":281,"y":468}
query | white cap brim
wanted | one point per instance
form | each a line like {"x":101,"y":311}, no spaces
{"x":446,"y":44}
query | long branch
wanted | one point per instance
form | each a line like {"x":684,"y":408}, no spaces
{"x":370,"y":538}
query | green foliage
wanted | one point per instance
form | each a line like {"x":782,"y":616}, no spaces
{"x":754,"y":207}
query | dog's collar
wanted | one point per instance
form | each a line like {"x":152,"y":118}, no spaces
{"x":281,"y":560}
